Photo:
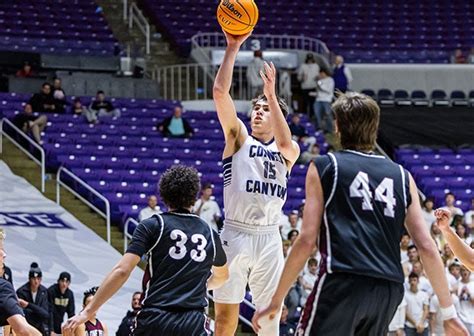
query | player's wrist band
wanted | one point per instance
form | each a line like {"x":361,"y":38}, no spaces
{"x":448,"y":313}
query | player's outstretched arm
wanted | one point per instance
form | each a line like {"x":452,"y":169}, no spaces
{"x":287,"y":147}
{"x":21,"y":327}
{"x":432,"y":262}
{"x":231,"y":125}
{"x":219,"y":276}
{"x":302,"y":248}
{"x":460,"y":249}
{"x":111,"y":284}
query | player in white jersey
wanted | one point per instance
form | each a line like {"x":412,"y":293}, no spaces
{"x":256,"y":169}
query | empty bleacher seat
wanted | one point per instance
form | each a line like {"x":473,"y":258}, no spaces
{"x":458,"y":98}
{"x":402,"y":98}
{"x":418,"y":98}
{"x":385,"y":97}
{"x":439,"y":98}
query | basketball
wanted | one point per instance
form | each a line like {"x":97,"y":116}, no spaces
{"x":237,"y":17}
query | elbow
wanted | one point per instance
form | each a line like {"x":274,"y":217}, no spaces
{"x":218,"y":90}
{"x":308,"y":245}
{"x":427,"y":248}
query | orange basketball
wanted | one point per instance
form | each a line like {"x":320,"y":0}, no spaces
{"x":237,"y":17}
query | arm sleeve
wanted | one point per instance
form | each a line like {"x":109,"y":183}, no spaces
{"x":145,"y":236}
{"x":220,"y":259}
{"x":8,"y":301}
{"x":38,"y":310}
{"x":187,"y":127}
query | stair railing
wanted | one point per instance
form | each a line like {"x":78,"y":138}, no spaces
{"x":41,"y":162}
{"x":136,"y":16}
{"x":60,"y":183}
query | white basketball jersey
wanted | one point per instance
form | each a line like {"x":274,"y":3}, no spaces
{"x":255,"y":186}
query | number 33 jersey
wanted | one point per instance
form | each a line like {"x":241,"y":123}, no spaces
{"x":255,"y":185}
{"x":181,"y":249}
{"x":366,"y":197}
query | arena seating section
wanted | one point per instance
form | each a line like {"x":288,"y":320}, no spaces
{"x":379,"y":32}
{"x":386,"y":97}
{"x":123,"y":158}
{"x":55,"y":26}
{"x":438,"y":171}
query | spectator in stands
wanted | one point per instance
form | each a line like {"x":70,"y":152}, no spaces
{"x":397,"y":324}
{"x":286,"y":247}
{"x":299,"y":132}
{"x":466,"y":299}
{"x":292,"y":235}
{"x":176,"y":126}
{"x":26,"y":71}
{"x":437,"y":236}
{"x":61,"y":299}
{"x":28,"y":122}
{"x":436,"y":319}
{"x":284,"y":88}
{"x":287,"y":328}
{"x":307,"y":76}
{"x":309,"y":279}
{"x":448,"y":255}
{"x":342,"y":75}
{"x":324,"y":97}
{"x":310,"y":154}
{"x":405,"y":243}
{"x":79,"y":109}
{"x":413,"y":256}
{"x":102,"y":107}
{"x":292,"y":224}
{"x":59,"y":95}
{"x":151,"y":209}
{"x":469,"y":217}
{"x":428,"y":212}
{"x":471,"y":56}
{"x":454,"y":275}
{"x":33,"y":298}
{"x":128,"y":322}
{"x":208,"y":209}
{"x":450,"y":201}
{"x":461,"y":232}
{"x":423,"y":282}
{"x":43,"y":101}
{"x":254,"y":79}
{"x":458,"y":57}
{"x":417,"y":309}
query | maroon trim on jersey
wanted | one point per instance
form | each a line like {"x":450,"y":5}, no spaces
{"x":145,"y":281}
{"x":89,"y":326}
{"x":311,"y":302}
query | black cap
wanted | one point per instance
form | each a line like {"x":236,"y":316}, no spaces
{"x":64,"y":276}
{"x":35,"y":271}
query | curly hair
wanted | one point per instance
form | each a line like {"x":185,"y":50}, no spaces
{"x":179,"y":186}
{"x":89,"y":292}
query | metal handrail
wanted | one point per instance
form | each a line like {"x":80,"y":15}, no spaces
{"x":136,"y":16}
{"x":125,"y":10}
{"x":60,"y":184}
{"x":41,"y":163}
{"x":126,"y":235}
{"x":285,"y":42}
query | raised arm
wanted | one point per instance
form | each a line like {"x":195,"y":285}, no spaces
{"x":459,"y":247}
{"x":287,"y":147}
{"x":432,"y":262}
{"x":233,"y":128}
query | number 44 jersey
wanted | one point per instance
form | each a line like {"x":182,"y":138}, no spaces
{"x":366,"y":197}
{"x":181,"y":250}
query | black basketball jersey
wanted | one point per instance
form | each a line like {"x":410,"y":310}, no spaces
{"x":366,"y":197}
{"x":8,"y":302}
{"x":181,"y":250}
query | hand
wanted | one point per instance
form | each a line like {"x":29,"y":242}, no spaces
{"x":71,"y":324}
{"x":53,"y":333}
{"x":420,"y":327}
{"x":271,"y":311}
{"x":23,"y":303}
{"x":269,"y":80}
{"x":400,"y":332}
{"x":442,"y":218}
{"x":235,"y":40}
{"x":454,"y":327}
